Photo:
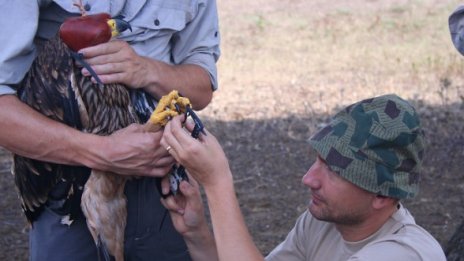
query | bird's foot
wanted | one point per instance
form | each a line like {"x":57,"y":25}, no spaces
{"x":169,"y":106}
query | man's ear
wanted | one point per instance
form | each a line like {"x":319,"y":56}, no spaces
{"x":380,"y":202}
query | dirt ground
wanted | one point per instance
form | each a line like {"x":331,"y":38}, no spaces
{"x":286,"y":67}
{"x":269,"y":158}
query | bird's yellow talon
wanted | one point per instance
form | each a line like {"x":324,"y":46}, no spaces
{"x":169,"y":106}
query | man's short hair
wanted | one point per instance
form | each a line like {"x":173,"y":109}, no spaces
{"x":376,"y":144}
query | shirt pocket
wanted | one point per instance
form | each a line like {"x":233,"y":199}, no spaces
{"x":162,"y":17}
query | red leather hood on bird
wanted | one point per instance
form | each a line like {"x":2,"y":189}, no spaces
{"x":85,"y":31}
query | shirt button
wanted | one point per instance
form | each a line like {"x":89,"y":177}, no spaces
{"x":216,"y":34}
{"x":87,"y":7}
{"x":157,"y":22}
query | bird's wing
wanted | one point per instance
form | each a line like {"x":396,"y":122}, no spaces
{"x":55,"y":87}
{"x":46,"y":88}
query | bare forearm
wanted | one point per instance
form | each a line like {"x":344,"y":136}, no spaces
{"x":190,"y":80}
{"x":129,"y":151}
{"x":233,"y":239}
{"x":28,"y":133}
{"x":117,"y":62}
{"x":201,"y":245}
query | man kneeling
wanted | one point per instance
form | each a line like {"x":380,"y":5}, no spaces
{"x":369,"y":158}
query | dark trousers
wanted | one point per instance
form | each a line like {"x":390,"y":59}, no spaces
{"x":149,"y":233}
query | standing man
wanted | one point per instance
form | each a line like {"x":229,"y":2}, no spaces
{"x":368,"y":160}
{"x":173,"y":45}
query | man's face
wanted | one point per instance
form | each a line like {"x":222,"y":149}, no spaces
{"x":335,"y":199}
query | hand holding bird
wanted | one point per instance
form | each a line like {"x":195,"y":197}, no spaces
{"x":89,"y":30}
{"x":117,"y":62}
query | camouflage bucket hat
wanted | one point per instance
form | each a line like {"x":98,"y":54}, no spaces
{"x":376,"y":144}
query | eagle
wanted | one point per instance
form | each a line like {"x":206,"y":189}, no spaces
{"x":55,"y":87}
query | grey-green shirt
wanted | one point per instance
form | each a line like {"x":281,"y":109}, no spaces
{"x":172,"y":31}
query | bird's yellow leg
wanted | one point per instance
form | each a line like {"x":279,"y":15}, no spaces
{"x":168,"y":106}
{"x":166,"y":101}
{"x":163,"y":117}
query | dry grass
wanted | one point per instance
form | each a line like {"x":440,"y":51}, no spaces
{"x":327,"y":53}
{"x":286,"y":66}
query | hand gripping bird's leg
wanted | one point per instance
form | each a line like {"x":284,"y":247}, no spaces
{"x":169,"y":106}
{"x":178,"y":173}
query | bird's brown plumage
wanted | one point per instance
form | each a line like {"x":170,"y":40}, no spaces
{"x":56,"y":88}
